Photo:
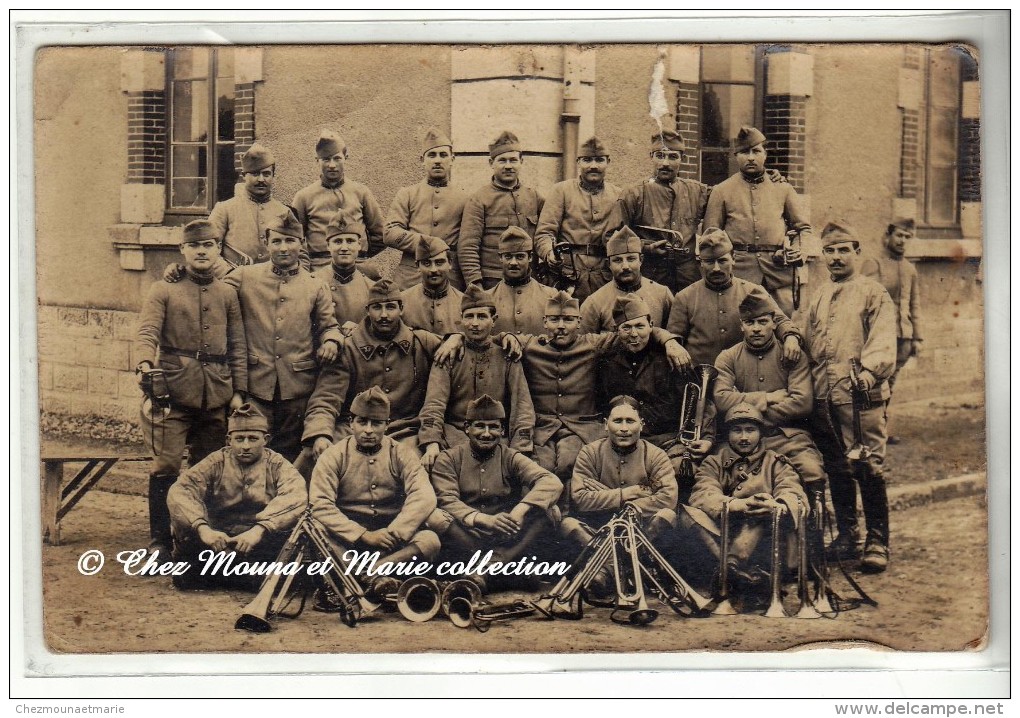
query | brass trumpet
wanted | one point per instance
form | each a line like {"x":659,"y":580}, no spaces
{"x":725,"y":606}
{"x":807,"y":608}
{"x":821,"y":597}
{"x":775,"y":609}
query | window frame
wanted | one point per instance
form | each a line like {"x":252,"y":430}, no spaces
{"x":926,"y":227}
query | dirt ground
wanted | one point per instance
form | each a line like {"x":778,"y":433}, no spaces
{"x":933,"y":598}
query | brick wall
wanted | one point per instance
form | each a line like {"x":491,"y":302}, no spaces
{"x":86,"y":363}
{"x":146,"y":137}
{"x":244,"y":120}
{"x":688,"y":125}
{"x":785,"y":126}
{"x":909,"y":148}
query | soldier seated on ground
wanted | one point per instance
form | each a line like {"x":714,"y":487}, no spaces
{"x":751,"y":481}
{"x":492,"y":497}
{"x":243,"y":498}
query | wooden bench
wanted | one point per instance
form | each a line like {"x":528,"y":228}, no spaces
{"x":57,"y":500}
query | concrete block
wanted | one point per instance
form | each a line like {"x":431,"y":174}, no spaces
{"x":70,"y":378}
{"x":142,"y":70}
{"x":125,"y":325}
{"x":84,"y":405}
{"x":56,"y":402}
{"x":164,"y":236}
{"x":247,"y":64}
{"x":791,"y":73}
{"x":127,"y":386}
{"x":102,"y":382}
{"x":73,"y":318}
{"x":970,"y":105}
{"x":142,"y":203}
{"x":126,"y":411}
{"x":469,"y":63}
{"x":116,"y":355}
{"x":528,"y":108}
{"x":132,"y":258}
{"x":911,"y":88}
{"x":684,"y":63}
{"x":100,"y":323}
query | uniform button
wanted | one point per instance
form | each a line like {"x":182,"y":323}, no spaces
{"x":280,"y":319}
{"x":283,"y":299}
{"x":386,"y":390}
{"x":518,"y":311}
{"x":373,"y":486}
{"x":435,"y":223}
{"x":388,"y":368}
{"x":206,"y":346}
{"x":559,"y":395}
{"x":483,"y":471}
{"x":722,"y":331}
{"x":278,"y":339}
{"x":277,"y":356}
{"x":204,"y":289}
{"x":483,"y":491}
{"x":518,"y":291}
{"x":761,"y":378}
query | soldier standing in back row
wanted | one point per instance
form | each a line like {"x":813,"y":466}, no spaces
{"x":520,"y":299}
{"x":432,"y":304}
{"x":346,"y":283}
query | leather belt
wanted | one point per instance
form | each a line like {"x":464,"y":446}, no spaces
{"x":200,"y":356}
{"x":741,"y":247}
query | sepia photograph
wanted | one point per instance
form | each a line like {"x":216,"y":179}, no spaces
{"x":516,"y":348}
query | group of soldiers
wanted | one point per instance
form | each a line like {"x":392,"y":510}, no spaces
{"x":461,"y":404}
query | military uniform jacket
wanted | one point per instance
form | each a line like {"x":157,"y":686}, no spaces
{"x":727,"y":475}
{"x":398,"y":366}
{"x":349,"y":296}
{"x":230,"y":497}
{"x":708,"y":320}
{"x":436,"y":312}
{"x":678,"y":206}
{"x":854,"y":318}
{"x":646,"y":465}
{"x":286,"y":315}
{"x":316,"y":204}
{"x":521,"y":309}
{"x":349,"y":486}
{"x":487,"y":214}
{"x":597,"y":309}
{"x":572,"y":214}
{"x":423,"y":210}
{"x":759,"y":378}
{"x":241,"y":223}
{"x":195,"y":315}
{"x":466,"y":485}
{"x":899,"y":277}
{"x":483,"y":370}
{"x":648,"y":377}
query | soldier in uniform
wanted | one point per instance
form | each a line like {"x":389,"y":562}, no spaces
{"x":433,"y":304}
{"x":197,"y":328}
{"x":520,"y":300}
{"x":430,"y":209}
{"x":287,"y":313}
{"x":382,"y":352}
{"x":491,"y":496}
{"x":625,"y":263}
{"x":484,"y":369}
{"x":577,"y":211}
{"x":665,"y":210}
{"x":899,"y":277}
{"x":705,"y":315}
{"x":757,"y":210}
{"x":852,"y":318}
{"x":243,"y":498}
{"x":503,"y":203}
{"x":316,"y":204}
{"x":371,"y":493}
{"x":346,"y":283}
{"x":754,"y":372}
{"x":751,"y":481}
{"x":242,"y":220}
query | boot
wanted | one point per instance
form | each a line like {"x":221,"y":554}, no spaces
{"x":159,"y":516}
{"x":875,"y":502}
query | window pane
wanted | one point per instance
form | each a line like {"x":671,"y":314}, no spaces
{"x":189,"y":161}
{"x":724,"y":108}
{"x":727,"y":63}
{"x":716,"y":166}
{"x":191,"y":63}
{"x":226,"y":176}
{"x":225,"y":63}
{"x":942,"y":196}
{"x":191,"y":111}
{"x":942,"y":148}
{"x":225,"y":110}
{"x":188,"y":192}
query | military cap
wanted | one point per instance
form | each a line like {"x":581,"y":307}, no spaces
{"x":247,"y":418}
{"x":371,"y":404}
{"x":747,"y":138}
{"x":506,"y":142}
{"x":744,"y":412}
{"x":199,"y":231}
{"x":837,"y":233}
{"x":330,"y":143}
{"x":623,"y":241}
{"x":257,"y":158}
{"x":562,"y":304}
{"x":593,"y":147}
{"x":904,"y":223}
{"x":287,"y":225}
{"x":485,"y":408}
{"x":385,"y":290}
{"x":344,"y":223}
{"x":429,"y":247}
{"x":474,"y":297}
{"x":434,"y":138}
{"x":515,"y":239}
{"x":667,"y":140}
{"x":714,"y":243}
{"x":756,"y":304}
{"x":629,"y":307}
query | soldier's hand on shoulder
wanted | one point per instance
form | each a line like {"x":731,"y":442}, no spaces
{"x":791,"y":350}
{"x":679,"y":358}
{"x":776,"y":176}
{"x":348,"y":328}
{"x":319,"y":445}
{"x":552,"y":260}
{"x":450,"y":351}
{"x":329,"y":351}
{"x":512,"y":347}
{"x":174,"y":273}
{"x":216,"y":540}
{"x":429,"y":456}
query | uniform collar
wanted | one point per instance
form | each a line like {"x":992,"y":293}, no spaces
{"x":591,"y":188}
{"x":476,"y":347}
{"x":345,"y":277}
{"x":482,"y":457}
{"x":285,"y":272}
{"x":437,"y":183}
{"x":757,"y":179}
{"x":368,"y":345}
{"x":338,"y":185}
{"x":200,"y":279}
{"x":623,"y":452}
{"x":258,"y":200}
{"x":765,"y":349}
{"x":716,"y":288}
{"x":436,"y":293}
{"x":501,"y":188}
{"x":629,"y":290}
{"x":730,"y":457}
{"x":517,"y":282}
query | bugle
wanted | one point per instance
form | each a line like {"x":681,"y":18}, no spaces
{"x":775,"y":609}
{"x":353,"y":602}
{"x":692,"y":416}
{"x":630,"y":600}
{"x":724,"y":607}
{"x":589,"y":562}
{"x":807,"y":608}
{"x":275,"y":589}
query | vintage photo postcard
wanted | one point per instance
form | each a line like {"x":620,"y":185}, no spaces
{"x":583,"y":349}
